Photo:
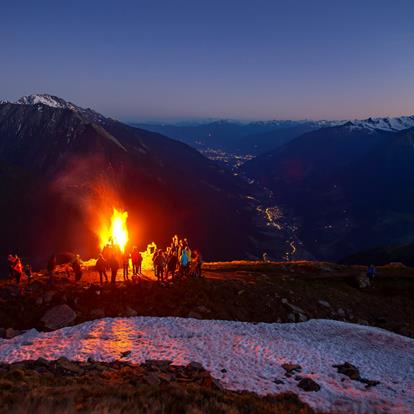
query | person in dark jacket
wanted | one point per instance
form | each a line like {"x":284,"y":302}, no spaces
{"x":171,"y":265}
{"x":77,"y":268}
{"x":101,"y":266}
{"x":371,"y":272}
{"x":159,"y":265}
{"x":125,"y":265}
{"x":136,"y":259}
{"x":28,"y":272}
{"x":114,"y":265}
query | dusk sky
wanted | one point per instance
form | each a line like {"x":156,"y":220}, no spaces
{"x":170,"y":60}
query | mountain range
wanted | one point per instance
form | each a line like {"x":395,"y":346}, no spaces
{"x":255,"y":138}
{"x":63,"y":168}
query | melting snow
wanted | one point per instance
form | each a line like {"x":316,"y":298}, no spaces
{"x":250,"y":353}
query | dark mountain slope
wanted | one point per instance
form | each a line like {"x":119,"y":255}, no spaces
{"x":350,"y":187}
{"x":62,"y":169}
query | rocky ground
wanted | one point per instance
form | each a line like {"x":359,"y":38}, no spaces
{"x":119,"y":387}
{"x":241,"y":291}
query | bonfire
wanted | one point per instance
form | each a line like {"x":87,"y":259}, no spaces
{"x":116,"y":233}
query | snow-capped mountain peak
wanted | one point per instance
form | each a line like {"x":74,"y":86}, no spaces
{"x":59,"y":103}
{"x":48,"y":100}
{"x":386,"y":124}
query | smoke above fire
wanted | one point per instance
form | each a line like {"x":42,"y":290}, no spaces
{"x":96,"y":197}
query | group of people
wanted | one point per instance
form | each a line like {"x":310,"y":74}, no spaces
{"x":112,"y":258}
{"x":16,"y":268}
{"x":176,"y":261}
{"x":72,"y":261}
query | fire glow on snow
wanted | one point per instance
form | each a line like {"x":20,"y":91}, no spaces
{"x":248,"y":356}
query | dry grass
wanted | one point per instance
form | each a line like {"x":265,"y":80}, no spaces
{"x":122,"y":389}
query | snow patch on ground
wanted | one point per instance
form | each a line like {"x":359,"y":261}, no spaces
{"x":250,"y":354}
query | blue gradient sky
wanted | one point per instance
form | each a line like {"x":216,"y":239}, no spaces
{"x":222,"y":59}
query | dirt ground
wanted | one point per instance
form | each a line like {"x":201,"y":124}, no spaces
{"x":243,"y":291}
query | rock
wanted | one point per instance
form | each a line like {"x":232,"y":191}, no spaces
{"x":324,"y":304}
{"x":369,"y":383}
{"x":2,"y":333}
{"x":11,"y":333}
{"x":285,"y":301}
{"x":295,"y":308}
{"x":308,"y":384}
{"x":194,"y":315}
{"x":152,"y":379}
{"x":58,"y":317}
{"x":349,"y":370}
{"x":67,"y":365}
{"x":291,"y":317}
{"x":97,"y":313}
{"x":203,"y":309}
{"x":301,"y":317}
{"x":36,"y":285}
{"x":195,"y":365}
{"x":278,"y":381}
{"x":341,"y":313}
{"x":130,"y":312}
{"x":11,"y":291}
{"x":291,"y":368}
{"x":217,"y":384}
{"x":48,"y":296}
{"x":125,"y":354}
{"x":381,"y":319}
{"x":363,"y":281}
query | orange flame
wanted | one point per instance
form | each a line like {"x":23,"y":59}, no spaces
{"x":117,"y":232}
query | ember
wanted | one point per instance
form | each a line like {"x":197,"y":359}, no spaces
{"x":116,"y":233}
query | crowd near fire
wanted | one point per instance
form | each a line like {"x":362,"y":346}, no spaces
{"x":117,"y":261}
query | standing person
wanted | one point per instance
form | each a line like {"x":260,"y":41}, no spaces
{"x":184,"y":262}
{"x":135,"y":259}
{"x":77,"y":268}
{"x":171,"y":265}
{"x":371,"y":272}
{"x":139,"y":263}
{"x":28,"y":272}
{"x":11,"y":262}
{"x":101,"y":266}
{"x":114,"y":265}
{"x":159,"y":264}
{"x":125,"y":265}
{"x":198,"y":261}
{"x":16,"y":267}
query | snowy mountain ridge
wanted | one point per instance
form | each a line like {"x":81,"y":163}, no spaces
{"x":58,"y":103}
{"x":382,"y":123}
{"x":386,"y":123}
